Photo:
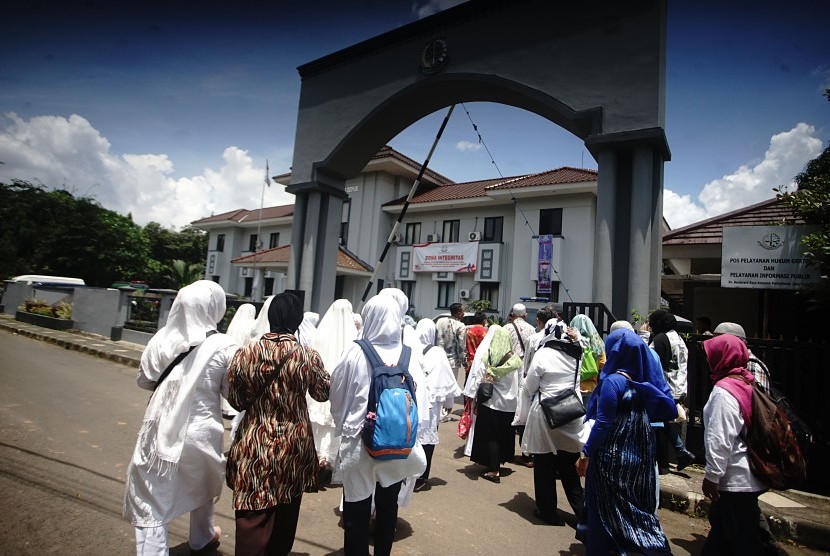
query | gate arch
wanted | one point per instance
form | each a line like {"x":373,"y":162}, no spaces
{"x":602,"y":79}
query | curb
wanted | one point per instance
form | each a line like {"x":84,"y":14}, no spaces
{"x":70,"y":345}
{"x":783,"y":527}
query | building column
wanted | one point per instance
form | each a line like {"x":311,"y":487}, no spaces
{"x":605,"y":227}
{"x":312,"y":265}
{"x":640,"y":264}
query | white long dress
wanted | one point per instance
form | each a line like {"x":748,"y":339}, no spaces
{"x":550,"y":372}
{"x":157,"y":492}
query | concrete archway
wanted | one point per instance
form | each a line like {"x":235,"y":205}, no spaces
{"x":596,"y":71}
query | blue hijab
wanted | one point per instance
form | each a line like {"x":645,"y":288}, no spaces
{"x":625,"y":351}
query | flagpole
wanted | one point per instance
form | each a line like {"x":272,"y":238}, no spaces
{"x":258,"y":272}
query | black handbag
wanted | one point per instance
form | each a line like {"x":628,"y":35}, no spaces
{"x":484,"y":392}
{"x":567,"y":405}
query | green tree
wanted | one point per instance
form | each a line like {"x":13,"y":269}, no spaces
{"x":811,"y":201}
{"x":182,"y":274}
{"x":166,"y":246}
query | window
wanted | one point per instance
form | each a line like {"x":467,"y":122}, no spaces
{"x":269,"y":287}
{"x":413,"y":233}
{"x":493,"y":229}
{"x":220,"y":242}
{"x":550,"y":222}
{"x":446,"y":294}
{"x":451,"y":228}
{"x":252,"y":242}
{"x":408,"y":287}
{"x":249,"y":286}
{"x":554,"y":292}
{"x":212,"y":263}
{"x":274,"y":240}
{"x":215,"y":278}
{"x":490,"y":292}
{"x":344,"y":221}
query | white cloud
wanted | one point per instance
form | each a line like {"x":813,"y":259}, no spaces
{"x":426,"y":8}
{"x":72,"y":154}
{"x":786,"y":156}
{"x":465,"y":146}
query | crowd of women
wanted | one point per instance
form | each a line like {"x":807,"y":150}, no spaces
{"x":300,"y":385}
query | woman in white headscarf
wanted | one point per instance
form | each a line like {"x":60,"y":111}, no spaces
{"x":178,"y":464}
{"x":441,"y":389}
{"x":363,"y":475}
{"x":335,"y":333}
{"x":239,"y":330}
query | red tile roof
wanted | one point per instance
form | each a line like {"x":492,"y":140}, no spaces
{"x":242,"y":215}
{"x":346,"y":260}
{"x":710,"y":231}
{"x":473,"y":189}
{"x":388,"y":152}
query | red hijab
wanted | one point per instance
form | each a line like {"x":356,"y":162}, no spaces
{"x":728,"y":356}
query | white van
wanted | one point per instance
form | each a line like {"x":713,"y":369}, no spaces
{"x":43,"y":280}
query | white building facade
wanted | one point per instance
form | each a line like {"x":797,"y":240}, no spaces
{"x":504,"y":217}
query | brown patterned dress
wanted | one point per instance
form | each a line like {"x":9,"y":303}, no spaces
{"x":273,"y":459}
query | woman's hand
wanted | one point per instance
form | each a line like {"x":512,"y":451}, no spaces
{"x":582,"y":466}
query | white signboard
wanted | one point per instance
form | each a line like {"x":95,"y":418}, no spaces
{"x":445,"y":257}
{"x":768,"y":257}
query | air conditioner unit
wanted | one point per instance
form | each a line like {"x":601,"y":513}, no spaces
{"x":433,"y":238}
{"x":464,"y":294}
{"x":397,"y":238}
{"x":475,"y":236}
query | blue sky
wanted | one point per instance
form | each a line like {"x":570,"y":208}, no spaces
{"x":169,"y":110}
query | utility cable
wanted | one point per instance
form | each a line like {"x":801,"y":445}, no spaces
{"x":513,"y":199}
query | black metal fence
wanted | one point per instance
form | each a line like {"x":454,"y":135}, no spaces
{"x":800,"y":370}
{"x":597,"y":312}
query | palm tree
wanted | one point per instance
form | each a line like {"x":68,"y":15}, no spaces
{"x":183,"y":274}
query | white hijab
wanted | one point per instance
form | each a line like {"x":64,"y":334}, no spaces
{"x":242,"y":324}
{"x":195,"y":311}
{"x":440,"y":380}
{"x":382,"y":316}
{"x":335,"y":333}
{"x":307,"y":333}
{"x":262,"y":325}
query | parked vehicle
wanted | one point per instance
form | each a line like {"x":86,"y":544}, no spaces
{"x":44,"y":280}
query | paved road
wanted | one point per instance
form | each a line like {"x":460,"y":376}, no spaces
{"x":67,"y":426}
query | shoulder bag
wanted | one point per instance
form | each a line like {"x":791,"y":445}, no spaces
{"x":567,"y":405}
{"x":485,"y":389}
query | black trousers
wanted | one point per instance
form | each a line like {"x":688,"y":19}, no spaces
{"x":268,"y":532}
{"x":356,"y":516}
{"x":546,"y":469}
{"x":429,"y":449}
{"x":734,"y":518}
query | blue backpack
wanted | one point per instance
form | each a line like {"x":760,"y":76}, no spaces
{"x":391,"y":426}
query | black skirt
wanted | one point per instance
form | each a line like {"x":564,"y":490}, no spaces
{"x":494,"y":439}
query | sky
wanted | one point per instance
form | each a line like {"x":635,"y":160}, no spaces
{"x":168,"y":111}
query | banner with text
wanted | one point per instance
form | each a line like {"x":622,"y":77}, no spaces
{"x":543,"y":284}
{"x":446,"y":257}
{"x":765,"y":257}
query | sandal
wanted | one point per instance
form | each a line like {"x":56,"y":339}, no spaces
{"x":492,"y":477}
